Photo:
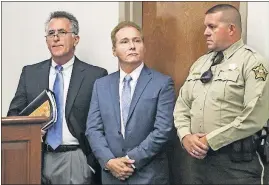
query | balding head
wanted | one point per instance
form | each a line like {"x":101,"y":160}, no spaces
{"x":230,"y":14}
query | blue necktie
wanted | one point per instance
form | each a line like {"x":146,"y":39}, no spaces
{"x":126,"y":98}
{"x":54,"y":136}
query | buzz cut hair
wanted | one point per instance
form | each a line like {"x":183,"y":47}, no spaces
{"x":230,"y":14}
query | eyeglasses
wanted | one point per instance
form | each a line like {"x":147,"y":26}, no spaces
{"x":60,"y":33}
{"x":208,"y":75}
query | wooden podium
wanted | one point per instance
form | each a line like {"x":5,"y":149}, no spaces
{"x":21,"y":149}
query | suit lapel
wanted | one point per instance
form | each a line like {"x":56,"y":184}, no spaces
{"x":114,"y":90}
{"x":75,"y":83}
{"x":43,"y":73}
{"x":142,"y":82}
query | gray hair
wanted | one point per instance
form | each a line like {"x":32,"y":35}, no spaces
{"x":67,"y":15}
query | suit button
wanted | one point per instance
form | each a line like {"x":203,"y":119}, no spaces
{"x":119,"y":132}
{"x":123,"y":150}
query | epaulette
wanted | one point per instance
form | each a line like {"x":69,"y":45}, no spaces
{"x":210,"y":51}
{"x":249,"y":48}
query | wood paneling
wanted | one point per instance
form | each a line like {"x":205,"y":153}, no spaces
{"x":15,"y":154}
{"x":173,"y":34}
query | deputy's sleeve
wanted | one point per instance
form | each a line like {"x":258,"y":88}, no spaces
{"x":182,"y":119}
{"x":182,"y":112}
{"x":256,"y":105}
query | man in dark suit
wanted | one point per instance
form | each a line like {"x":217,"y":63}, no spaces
{"x":65,"y":147}
{"x":131,"y":115}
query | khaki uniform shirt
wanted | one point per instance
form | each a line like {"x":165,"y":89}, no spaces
{"x":233,"y":105}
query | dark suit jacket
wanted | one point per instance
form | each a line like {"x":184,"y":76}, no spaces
{"x":35,"y":78}
{"x":148,"y":128}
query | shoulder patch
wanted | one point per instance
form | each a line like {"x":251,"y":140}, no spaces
{"x":260,"y":72}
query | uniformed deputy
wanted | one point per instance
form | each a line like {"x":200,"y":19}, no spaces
{"x":223,"y":102}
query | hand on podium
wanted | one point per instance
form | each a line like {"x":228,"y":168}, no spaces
{"x":42,"y":134}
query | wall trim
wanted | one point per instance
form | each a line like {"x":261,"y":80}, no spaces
{"x":243,"y":9}
{"x":131,"y":11}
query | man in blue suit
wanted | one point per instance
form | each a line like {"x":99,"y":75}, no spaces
{"x":131,"y":115}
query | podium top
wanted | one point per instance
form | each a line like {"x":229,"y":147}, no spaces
{"x":23,"y":120}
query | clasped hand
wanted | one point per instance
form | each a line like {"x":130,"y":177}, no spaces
{"x":120,"y":167}
{"x":194,"y":145}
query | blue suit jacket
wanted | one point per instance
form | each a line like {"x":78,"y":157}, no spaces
{"x":148,"y":128}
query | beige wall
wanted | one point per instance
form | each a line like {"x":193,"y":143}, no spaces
{"x":23,"y":40}
{"x":258,"y":27}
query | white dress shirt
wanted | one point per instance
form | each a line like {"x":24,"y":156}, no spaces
{"x":68,"y":138}
{"x":135,"y":75}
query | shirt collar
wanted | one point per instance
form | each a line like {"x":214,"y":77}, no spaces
{"x":134,"y":74}
{"x":233,"y":48}
{"x":66,"y":65}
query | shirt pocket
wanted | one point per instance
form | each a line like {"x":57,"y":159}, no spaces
{"x":194,"y":85}
{"x":225,"y":85}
